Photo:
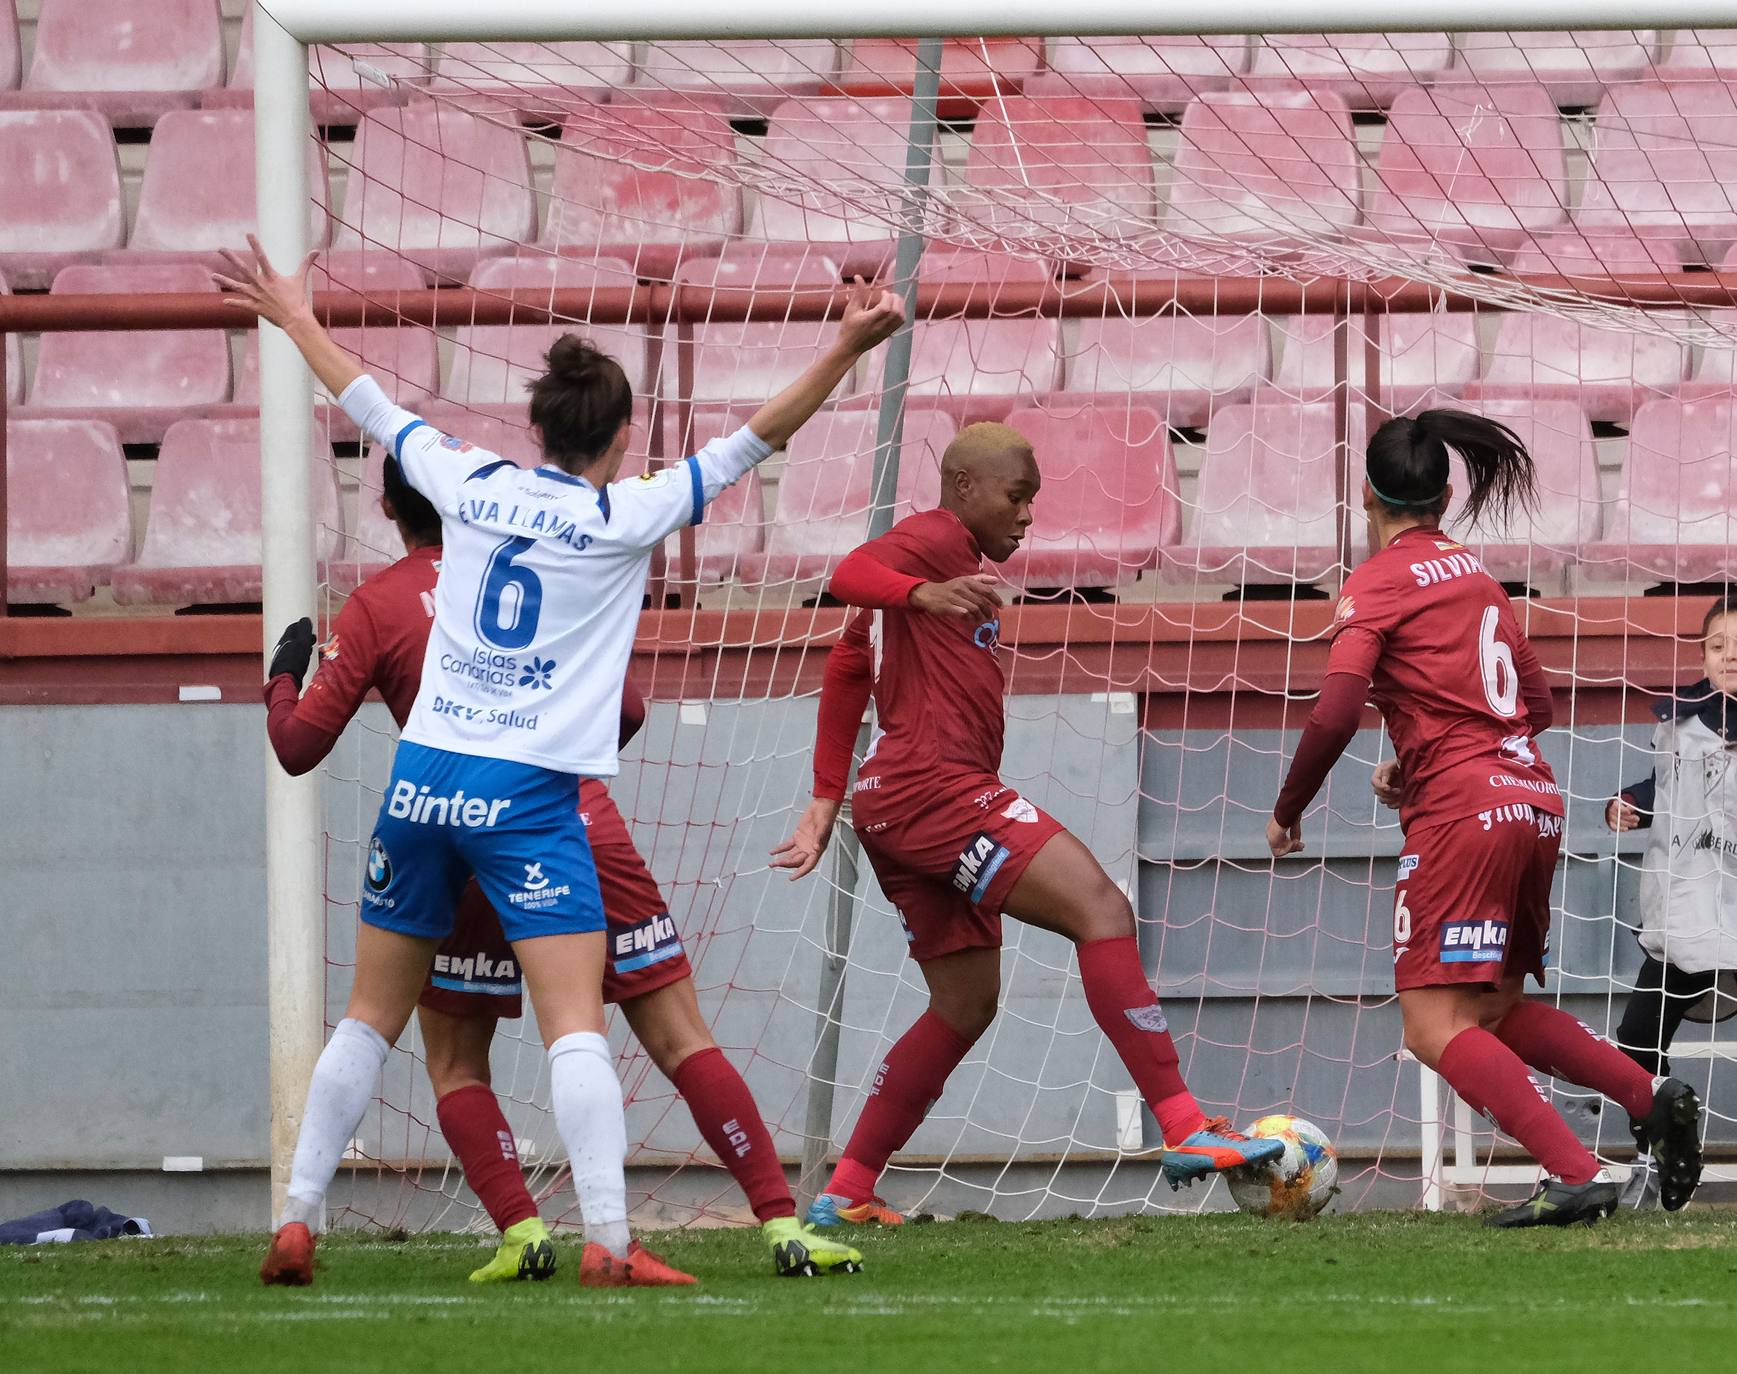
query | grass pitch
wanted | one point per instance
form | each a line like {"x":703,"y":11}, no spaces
{"x":1401,"y":1293}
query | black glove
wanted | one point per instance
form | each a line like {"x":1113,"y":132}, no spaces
{"x":295,"y":650}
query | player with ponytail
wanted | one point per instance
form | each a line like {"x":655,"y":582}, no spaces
{"x":1427,"y":635}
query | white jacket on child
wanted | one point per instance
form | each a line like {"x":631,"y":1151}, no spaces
{"x":1688,"y":884}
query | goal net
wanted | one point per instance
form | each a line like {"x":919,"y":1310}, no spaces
{"x":1194,"y":272}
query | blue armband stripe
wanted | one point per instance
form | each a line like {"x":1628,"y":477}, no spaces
{"x":699,"y":491}
{"x":403,"y":434}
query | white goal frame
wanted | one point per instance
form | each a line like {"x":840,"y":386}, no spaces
{"x":282,"y":32}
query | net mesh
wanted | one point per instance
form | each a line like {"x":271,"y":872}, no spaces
{"x":1197,"y":515}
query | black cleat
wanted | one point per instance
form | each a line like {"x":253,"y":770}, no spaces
{"x":1673,"y":1133}
{"x":1561,"y":1204}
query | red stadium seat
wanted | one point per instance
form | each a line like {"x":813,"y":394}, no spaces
{"x":14,"y":362}
{"x":1702,"y":53}
{"x":1715,"y":369}
{"x":492,"y":363}
{"x":1252,"y":167}
{"x":404,"y":359}
{"x":752,"y":361}
{"x":128,"y":61}
{"x":1109,"y":500}
{"x":822,"y":502}
{"x":338,"y":92}
{"x":142,"y":381}
{"x":63,"y":193}
{"x":1575,"y":65}
{"x":1266,"y":505}
{"x":1184,"y":366}
{"x":1478,"y":168}
{"x":185,"y":211}
{"x":203,"y":539}
{"x":1675,"y":516}
{"x":1606,"y":372}
{"x":750,"y":75}
{"x":856,"y":144}
{"x":438,"y":185}
{"x":1664,"y":164}
{"x":1424,"y":357}
{"x":1367,"y":70}
{"x":10,"y":52}
{"x":68,"y":523}
{"x":648,"y":183}
{"x":1163,"y":74}
{"x":972,"y":69}
{"x":540,"y":78}
{"x":1594,"y":253}
{"x":1081,"y":164}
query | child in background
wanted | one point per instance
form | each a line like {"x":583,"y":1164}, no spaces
{"x":1688,"y":882}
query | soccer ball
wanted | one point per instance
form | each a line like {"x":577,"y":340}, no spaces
{"x":1296,"y":1185}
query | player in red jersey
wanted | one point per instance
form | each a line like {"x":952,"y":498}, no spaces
{"x":378,"y":642}
{"x":953,"y":846}
{"x":1424,"y":632}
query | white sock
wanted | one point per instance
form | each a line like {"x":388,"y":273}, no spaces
{"x":588,"y":1113}
{"x":344,"y":1081}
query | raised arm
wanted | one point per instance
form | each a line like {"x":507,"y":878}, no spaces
{"x":870,"y":316}
{"x":260,"y":289}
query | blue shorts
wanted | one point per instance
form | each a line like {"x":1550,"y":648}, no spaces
{"x":515,"y":826}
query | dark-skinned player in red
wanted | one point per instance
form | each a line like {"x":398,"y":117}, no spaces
{"x":1424,"y":632}
{"x":953,"y":846}
{"x":378,"y":642}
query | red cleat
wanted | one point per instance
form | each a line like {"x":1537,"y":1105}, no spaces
{"x":641,"y":1269}
{"x":290,"y":1261}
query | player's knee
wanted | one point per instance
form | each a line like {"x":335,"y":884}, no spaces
{"x":968,"y":1012}
{"x":1102,"y":911}
{"x":1425,"y":1042}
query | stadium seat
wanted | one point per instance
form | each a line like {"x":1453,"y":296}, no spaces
{"x":648,"y":183}
{"x":10,"y":51}
{"x":1163,"y":74}
{"x":1479,"y":169}
{"x":1069,"y":163}
{"x":128,"y":61}
{"x":1701,"y":53}
{"x":1109,"y":501}
{"x":1715,"y":368}
{"x":1664,"y":163}
{"x":1574,"y":65}
{"x":338,"y":93}
{"x":438,"y":185}
{"x":63,"y":193}
{"x":1267,"y":500}
{"x":14,"y":363}
{"x":822,"y":502}
{"x":532,"y":78}
{"x":858,"y":145}
{"x":1675,"y":515}
{"x":492,"y":362}
{"x":202,"y":541}
{"x":1607,"y":372}
{"x":68,"y":522}
{"x":753,"y":360}
{"x":1594,"y":253}
{"x":404,"y":359}
{"x":1265,"y":168}
{"x":186,"y":212}
{"x":972,"y":69}
{"x":1424,"y":357}
{"x":1367,"y":70}
{"x":749,"y":75}
{"x":1184,"y":366}
{"x":1533,"y":545}
{"x":139,"y":381}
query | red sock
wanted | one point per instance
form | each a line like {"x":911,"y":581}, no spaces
{"x":1553,"y":1042}
{"x":909,"y":1081}
{"x":724,"y":1111}
{"x":472,"y":1123}
{"x":1127,"y":1009}
{"x":1492,"y":1080}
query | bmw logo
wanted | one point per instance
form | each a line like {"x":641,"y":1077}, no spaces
{"x":379,"y":866}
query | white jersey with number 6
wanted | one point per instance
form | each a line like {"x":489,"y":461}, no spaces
{"x":542,"y":577}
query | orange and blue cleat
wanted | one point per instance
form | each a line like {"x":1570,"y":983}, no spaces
{"x":290,"y":1261}
{"x":641,"y":1269}
{"x":829,"y":1209}
{"x":1212,"y":1149}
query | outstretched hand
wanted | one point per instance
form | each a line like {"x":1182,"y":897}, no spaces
{"x":871,"y":316}
{"x":1284,"y":840}
{"x":973,"y":597}
{"x":803,"y":850}
{"x":259,"y":287}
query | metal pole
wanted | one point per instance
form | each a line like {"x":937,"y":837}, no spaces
{"x":841,"y":908}
{"x":295,"y":958}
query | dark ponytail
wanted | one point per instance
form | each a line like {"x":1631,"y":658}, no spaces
{"x":580,"y":403}
{"x":1407,"y":465}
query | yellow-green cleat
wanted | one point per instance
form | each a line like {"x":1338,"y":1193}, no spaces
{"x":800,"y":1251}
{"x":525,"y":1252}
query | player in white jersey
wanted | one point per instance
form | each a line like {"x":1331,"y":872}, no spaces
{"x":540,"y":590}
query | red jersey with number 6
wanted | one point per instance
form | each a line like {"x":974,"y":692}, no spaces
{"x":1449,"y":669}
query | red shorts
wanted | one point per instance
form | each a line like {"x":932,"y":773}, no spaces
{"x":1472,"y":903}
{"x":475,"y":973}
{"x":947,"y":864}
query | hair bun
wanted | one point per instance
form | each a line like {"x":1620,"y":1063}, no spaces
{"x":572,"y":359}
